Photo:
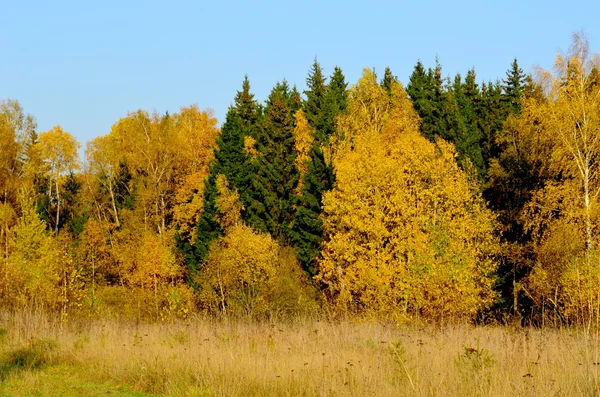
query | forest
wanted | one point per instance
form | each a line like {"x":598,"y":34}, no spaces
{"x":445,"y":199}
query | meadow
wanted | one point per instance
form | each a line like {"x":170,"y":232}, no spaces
{"x":40,"y":356}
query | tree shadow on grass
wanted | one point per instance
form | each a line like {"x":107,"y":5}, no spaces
{"x":37,"y":353}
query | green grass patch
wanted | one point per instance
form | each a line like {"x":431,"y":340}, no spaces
{"x":61,"y":380}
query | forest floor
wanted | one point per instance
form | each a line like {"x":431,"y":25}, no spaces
{"x":208,"y":357}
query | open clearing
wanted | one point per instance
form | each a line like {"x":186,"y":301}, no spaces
{"x":206,"y":357}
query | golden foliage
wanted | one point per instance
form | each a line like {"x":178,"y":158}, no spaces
{"x":405,"y":232}
{"x":39,"y":271}
{"x":303,"y":139}
{"x":58,"y":149}
{"x":197,"y":134}
{"x":8,"y":159}
{"x":102,"y":163}
{"x":248,"y":273}
{"x":8,"y":219}
{"x":369,"y":108}
{"x":150,"y":261}
{"x":228,"y":205}
{"x":95,"y":254}
{"x":240,"y":269}
{"x":250,"y":147}
{"x":563,"y":137}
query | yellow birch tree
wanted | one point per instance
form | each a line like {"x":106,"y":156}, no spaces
{"x":405,"y":232}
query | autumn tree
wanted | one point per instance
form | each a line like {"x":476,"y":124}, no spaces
{"x":562,"y":213}
{"x":197,"y":134}
{"x":247,"y":272}
{"x":102,"y":163}
{"x":168,"y":158}
{"x":17,"y":134}
{"x":303,"y":141}
{"x":58,"y":150}
{"x":94,"y":253}
{"x":406,"y":234}
{"x":38,"y":273}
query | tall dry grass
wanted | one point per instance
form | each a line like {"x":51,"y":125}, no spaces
{"x":209,"y":357}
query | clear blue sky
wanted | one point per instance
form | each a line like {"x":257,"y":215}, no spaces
{"x":84,"y":64}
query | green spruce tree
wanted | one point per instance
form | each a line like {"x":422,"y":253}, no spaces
{"x":514,"y":87}
{"x":275,"y":181}
{"x":316,"y":85}
{"x":469,"y":137}
{"x":427,"y":90}
{"x":336,"y":102}
{"x":388,"y":80}
{"x":307,"y":228}
{"x":511,"y":180}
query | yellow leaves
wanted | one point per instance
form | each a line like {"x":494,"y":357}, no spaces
{"x":32,"y":270}
{"x":196,"y":133}
{"x":9,"y":149}
{"x":189,"y":204}
{"x":228,"y":204}
{"x":250,"y":147}
{"x":558,"y":137}
{"x":94,"y":250}
{"x":248,"y":273}
{"x":168,"y":157}
{"x":58,"y":149}
{"x":372,"y":109}
{"x":8,"y":217}
{"x":147,"y":261}
{"x":240,"y":269}
{"x":102,"y":156}
{"x":403,"y":221}
{"x":154,"y":263}
{"x":303,"y":138}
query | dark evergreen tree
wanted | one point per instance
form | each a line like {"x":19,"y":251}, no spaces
{"x":431,"y":102}
{"x":468,"y":136}
{"x":510,"y":184}
{"x":72,"y":215}
{"x":491,"y":115}
{"x":316,"y":88}
{"x":276,"y":177}
{"x":124,"y":194}
{"x":420,"y":91}
{"x":336,"y":102}
{"x":232,"y":160}
{"x":514,"y":87}
{"x":307,"y":228}
{"x":73,"y":211}
{"x":388,"y":80}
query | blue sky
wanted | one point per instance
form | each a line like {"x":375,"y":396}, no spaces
{"x":83,"y":65}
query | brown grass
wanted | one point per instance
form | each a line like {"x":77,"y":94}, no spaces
{"x":208,"y":357}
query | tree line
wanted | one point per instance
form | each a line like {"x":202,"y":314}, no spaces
{"x":448,"y":198}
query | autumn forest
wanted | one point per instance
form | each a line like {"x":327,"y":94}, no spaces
{"x":444,"y":199}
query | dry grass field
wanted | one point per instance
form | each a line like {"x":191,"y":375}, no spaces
{"x":208,"y":357}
